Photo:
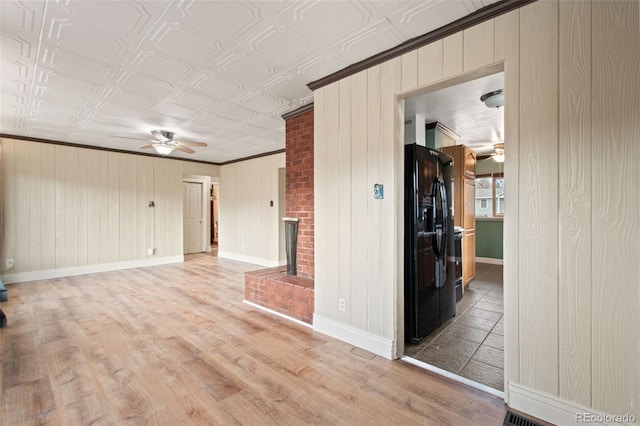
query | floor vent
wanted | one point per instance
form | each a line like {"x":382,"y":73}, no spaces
{"x":513,"y":419}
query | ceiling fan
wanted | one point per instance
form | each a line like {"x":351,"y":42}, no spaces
{"x":498,"y":154}
{"x":164,"y":144}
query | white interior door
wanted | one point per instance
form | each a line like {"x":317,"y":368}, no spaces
{"x":192,"y":217}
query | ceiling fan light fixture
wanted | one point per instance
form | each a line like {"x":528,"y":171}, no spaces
{"x":163,"y":135}
{"x":163,"y":148}
{"x":493,"y":99}
{"x":164,"y":143}
{"x":499,"y":155}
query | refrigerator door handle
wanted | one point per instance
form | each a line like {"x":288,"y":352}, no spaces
{"x":445,"y":215}
{"x":439,"y":240}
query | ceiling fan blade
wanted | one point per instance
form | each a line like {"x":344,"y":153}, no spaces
{"x":184,"y":149}
{"x":484,"y":157}
{"x":187,"y":143}
{"x":146,"y":147}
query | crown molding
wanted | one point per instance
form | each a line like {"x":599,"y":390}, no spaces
{"x":442,"y":129}
{"x":101,"y":148}
{"x":298,"y":111}
{"x":266,"y":154}
{"x":484,"y":14}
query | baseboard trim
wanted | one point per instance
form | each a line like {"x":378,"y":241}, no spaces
{"x":362,"y":339}
{"x":248,"y":259}
{"x":21,"y":277}
{"x":558,"y":411}
{"x":489,"y":260}
{"x":278,"y":314}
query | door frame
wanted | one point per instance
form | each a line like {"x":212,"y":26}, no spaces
{"x":510,"y":317}
{"x":204,"y":193}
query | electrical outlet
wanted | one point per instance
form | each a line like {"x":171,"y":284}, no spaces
{"x":9,"y":263}
{"x":151,"y":252}
{"x":343,"y":305}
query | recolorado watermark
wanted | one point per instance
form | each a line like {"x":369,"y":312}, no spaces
{"x":605,"y":418}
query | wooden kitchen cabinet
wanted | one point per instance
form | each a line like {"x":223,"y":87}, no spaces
{"x":464,"y":215}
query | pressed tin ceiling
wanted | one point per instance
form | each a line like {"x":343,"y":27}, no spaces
{"x":106,"y":73}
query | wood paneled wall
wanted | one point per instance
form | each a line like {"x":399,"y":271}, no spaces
{"x":574,"y":153}
{"x":249,"y":225}
{"x":615,"y":203}
{"x":538,"y":196}
{"x":572,"y":281}
{"x":70,"y":207}
{"x":353,"y":155}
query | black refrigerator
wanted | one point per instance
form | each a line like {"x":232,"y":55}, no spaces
{"x":429,"y":271}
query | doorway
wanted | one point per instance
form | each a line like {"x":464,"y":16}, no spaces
{"x":469,"y":346}
{"x":194,"y":212}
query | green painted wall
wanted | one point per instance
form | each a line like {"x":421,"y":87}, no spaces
{"x":489,"y":238}
{"x":430,"y":138}
{"x":489,"y":233}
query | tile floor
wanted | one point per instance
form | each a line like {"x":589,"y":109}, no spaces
{"x":471,"y":344}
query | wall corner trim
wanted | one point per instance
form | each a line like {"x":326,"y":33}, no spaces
{"x":249,"y":259}
{"x":21,"y":277}
{"x":360,"y":338}
{"x":548,"y":407}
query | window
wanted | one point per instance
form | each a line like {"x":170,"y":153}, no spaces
{"x":490,"y":195}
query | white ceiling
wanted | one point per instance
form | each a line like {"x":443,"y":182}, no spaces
{"x":459,"y":108}
{"x":103,"y":73}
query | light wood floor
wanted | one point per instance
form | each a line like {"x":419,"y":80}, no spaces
{"x":175,"y":345}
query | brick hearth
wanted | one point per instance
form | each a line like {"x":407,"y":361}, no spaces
{"x":273,"y":288}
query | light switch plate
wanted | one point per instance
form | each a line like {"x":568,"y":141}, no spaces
{"x":378,"y":191}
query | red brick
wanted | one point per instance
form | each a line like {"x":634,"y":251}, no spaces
{"x":299,"y":185}
{"x":287,"y":294}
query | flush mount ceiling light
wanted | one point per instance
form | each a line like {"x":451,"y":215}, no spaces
{"x":493,"y":99}
{"x":163,"y":148}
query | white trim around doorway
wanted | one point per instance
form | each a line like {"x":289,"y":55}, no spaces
{"x":399,"y":100}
